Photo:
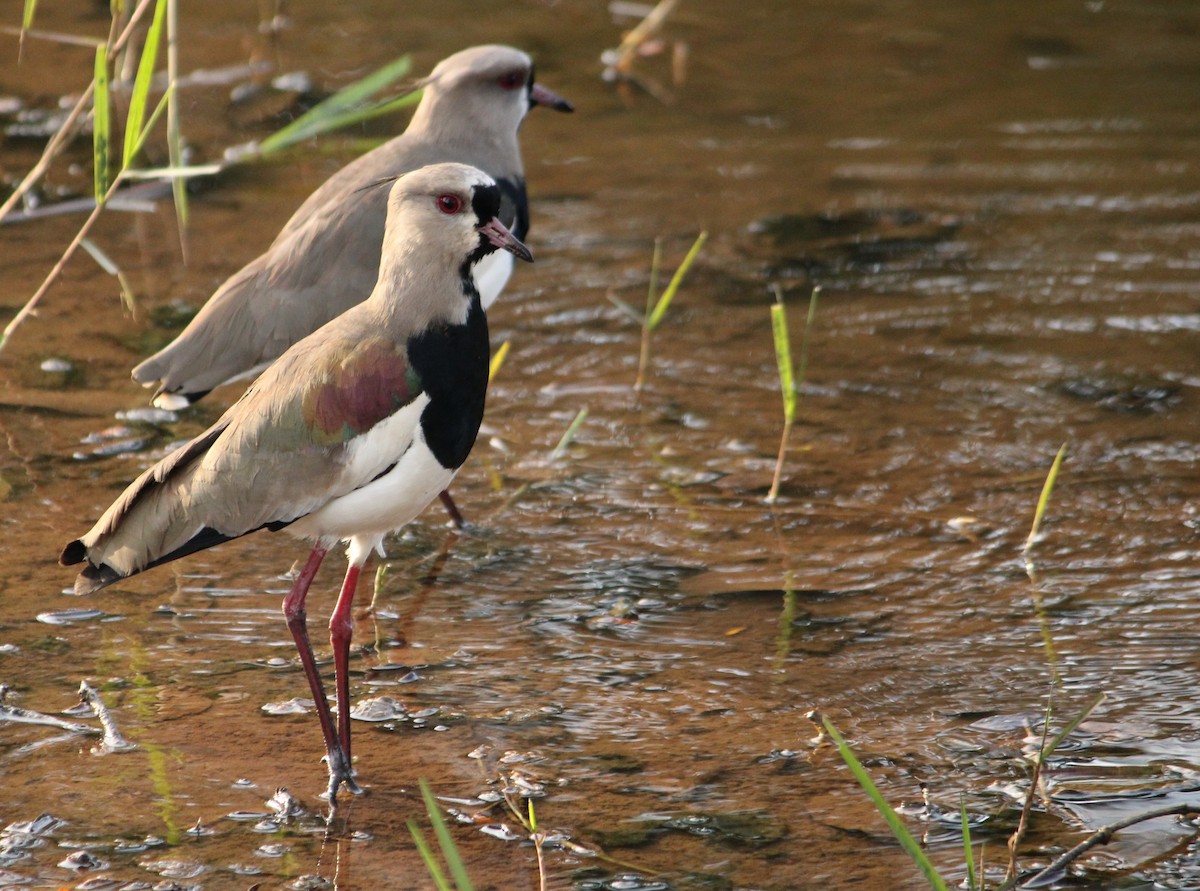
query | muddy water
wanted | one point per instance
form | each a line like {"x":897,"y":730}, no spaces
{"x":1000,"y":206}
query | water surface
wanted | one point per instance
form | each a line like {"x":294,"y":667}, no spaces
{"x":999,"y":204}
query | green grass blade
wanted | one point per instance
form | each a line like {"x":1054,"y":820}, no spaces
{"x":328,"y":123}
{"x":141,"y":84}
{"x":26,"y":24}
{"x":660,"y":308}
{"x":101,"y":125}
{"x":457,"y":869}
{"x":1044,"y":499}
{"x":567,"y":437}
{"x":652,"y":290}
{"x":1048,"y":749}
{"x":498,"y":360}
{"x":620,"y":304}
{"x":106,"y":263}
{"x":431,"y":865}
{"x":972,"y":879}
{"x":783,"y":358}
{"x":154,"y":116}
{"x":361,"y":90}
{"x":344,"y":107}
{"x":895,"y":823}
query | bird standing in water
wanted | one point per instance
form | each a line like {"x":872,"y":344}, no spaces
{"x":348,"y":436}
{"x":326,"y":257}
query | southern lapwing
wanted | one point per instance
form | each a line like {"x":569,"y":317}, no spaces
{"x":348,"y":436}
{"x":326,"y":258}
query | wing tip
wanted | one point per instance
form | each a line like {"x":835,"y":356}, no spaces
{"x":93,"y":577}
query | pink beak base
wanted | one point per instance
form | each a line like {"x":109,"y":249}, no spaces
{"x":499,"y":236}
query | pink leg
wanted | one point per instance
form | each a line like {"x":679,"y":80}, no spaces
{"x":297,"y":621}
{"x":341,"y":629}
{"x":452,"y":509}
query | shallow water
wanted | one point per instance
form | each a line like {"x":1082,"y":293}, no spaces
{"x":999,"y":204}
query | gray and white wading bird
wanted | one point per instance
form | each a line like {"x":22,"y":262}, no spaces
{"x":326,"y":258}
{"x":348,"y":436}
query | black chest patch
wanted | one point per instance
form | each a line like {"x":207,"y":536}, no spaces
{"x":452,"y":363}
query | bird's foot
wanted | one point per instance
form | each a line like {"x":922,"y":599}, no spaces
{"x":340,"y":775}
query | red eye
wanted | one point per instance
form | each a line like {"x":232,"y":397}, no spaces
{"x":449,"y":203}
{"x":512,"y":80}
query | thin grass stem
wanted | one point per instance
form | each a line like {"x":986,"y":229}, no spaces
{"x":175,"y":127}
{"x":664,"y":301}
{"x":911,"y":846}
{"x":657,"y":306}
{"x":644,"y":351}
{"x":1035,"y":779}
{"x":445,"y":841}
{"x":569,"y":435}
{"x":106,"y":263}
{"x":972,"y":880}
{"x":1103,"y":836}
{"x":1047,"y":748}
{"x":427,"y":857}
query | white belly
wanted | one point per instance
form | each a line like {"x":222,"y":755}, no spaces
{"x":377,"y":506}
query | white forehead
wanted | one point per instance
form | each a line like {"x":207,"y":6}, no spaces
{"x":479,"y":61}
{"x":437,"y":177}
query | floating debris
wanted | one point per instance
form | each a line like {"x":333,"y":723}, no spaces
{"x":104,"y":883}
{"x":245,"y":869}
{"x":248,"y":816}
{"x":148,"y":414}
{"x":310,"y":883}
{"x":643,"y":41}
{"x":69,"y":616}
{"x":111,"y":441}
{"x":500,"y":831}
{"x":18,"y":715}
{"x":624,"y":882}
{"x":174,"y":867}
{"x":113,"y":741}
{"x":56,"y":366}
{"x":380,"y":708}
{"x":82,"y":860}
{"x":284,"y":805}
{"x":271,"y":850}
{"x":126,"y":846}
{"x":295,"y":706}
{"x":17,"y":838}
{"x":200,"y":830}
